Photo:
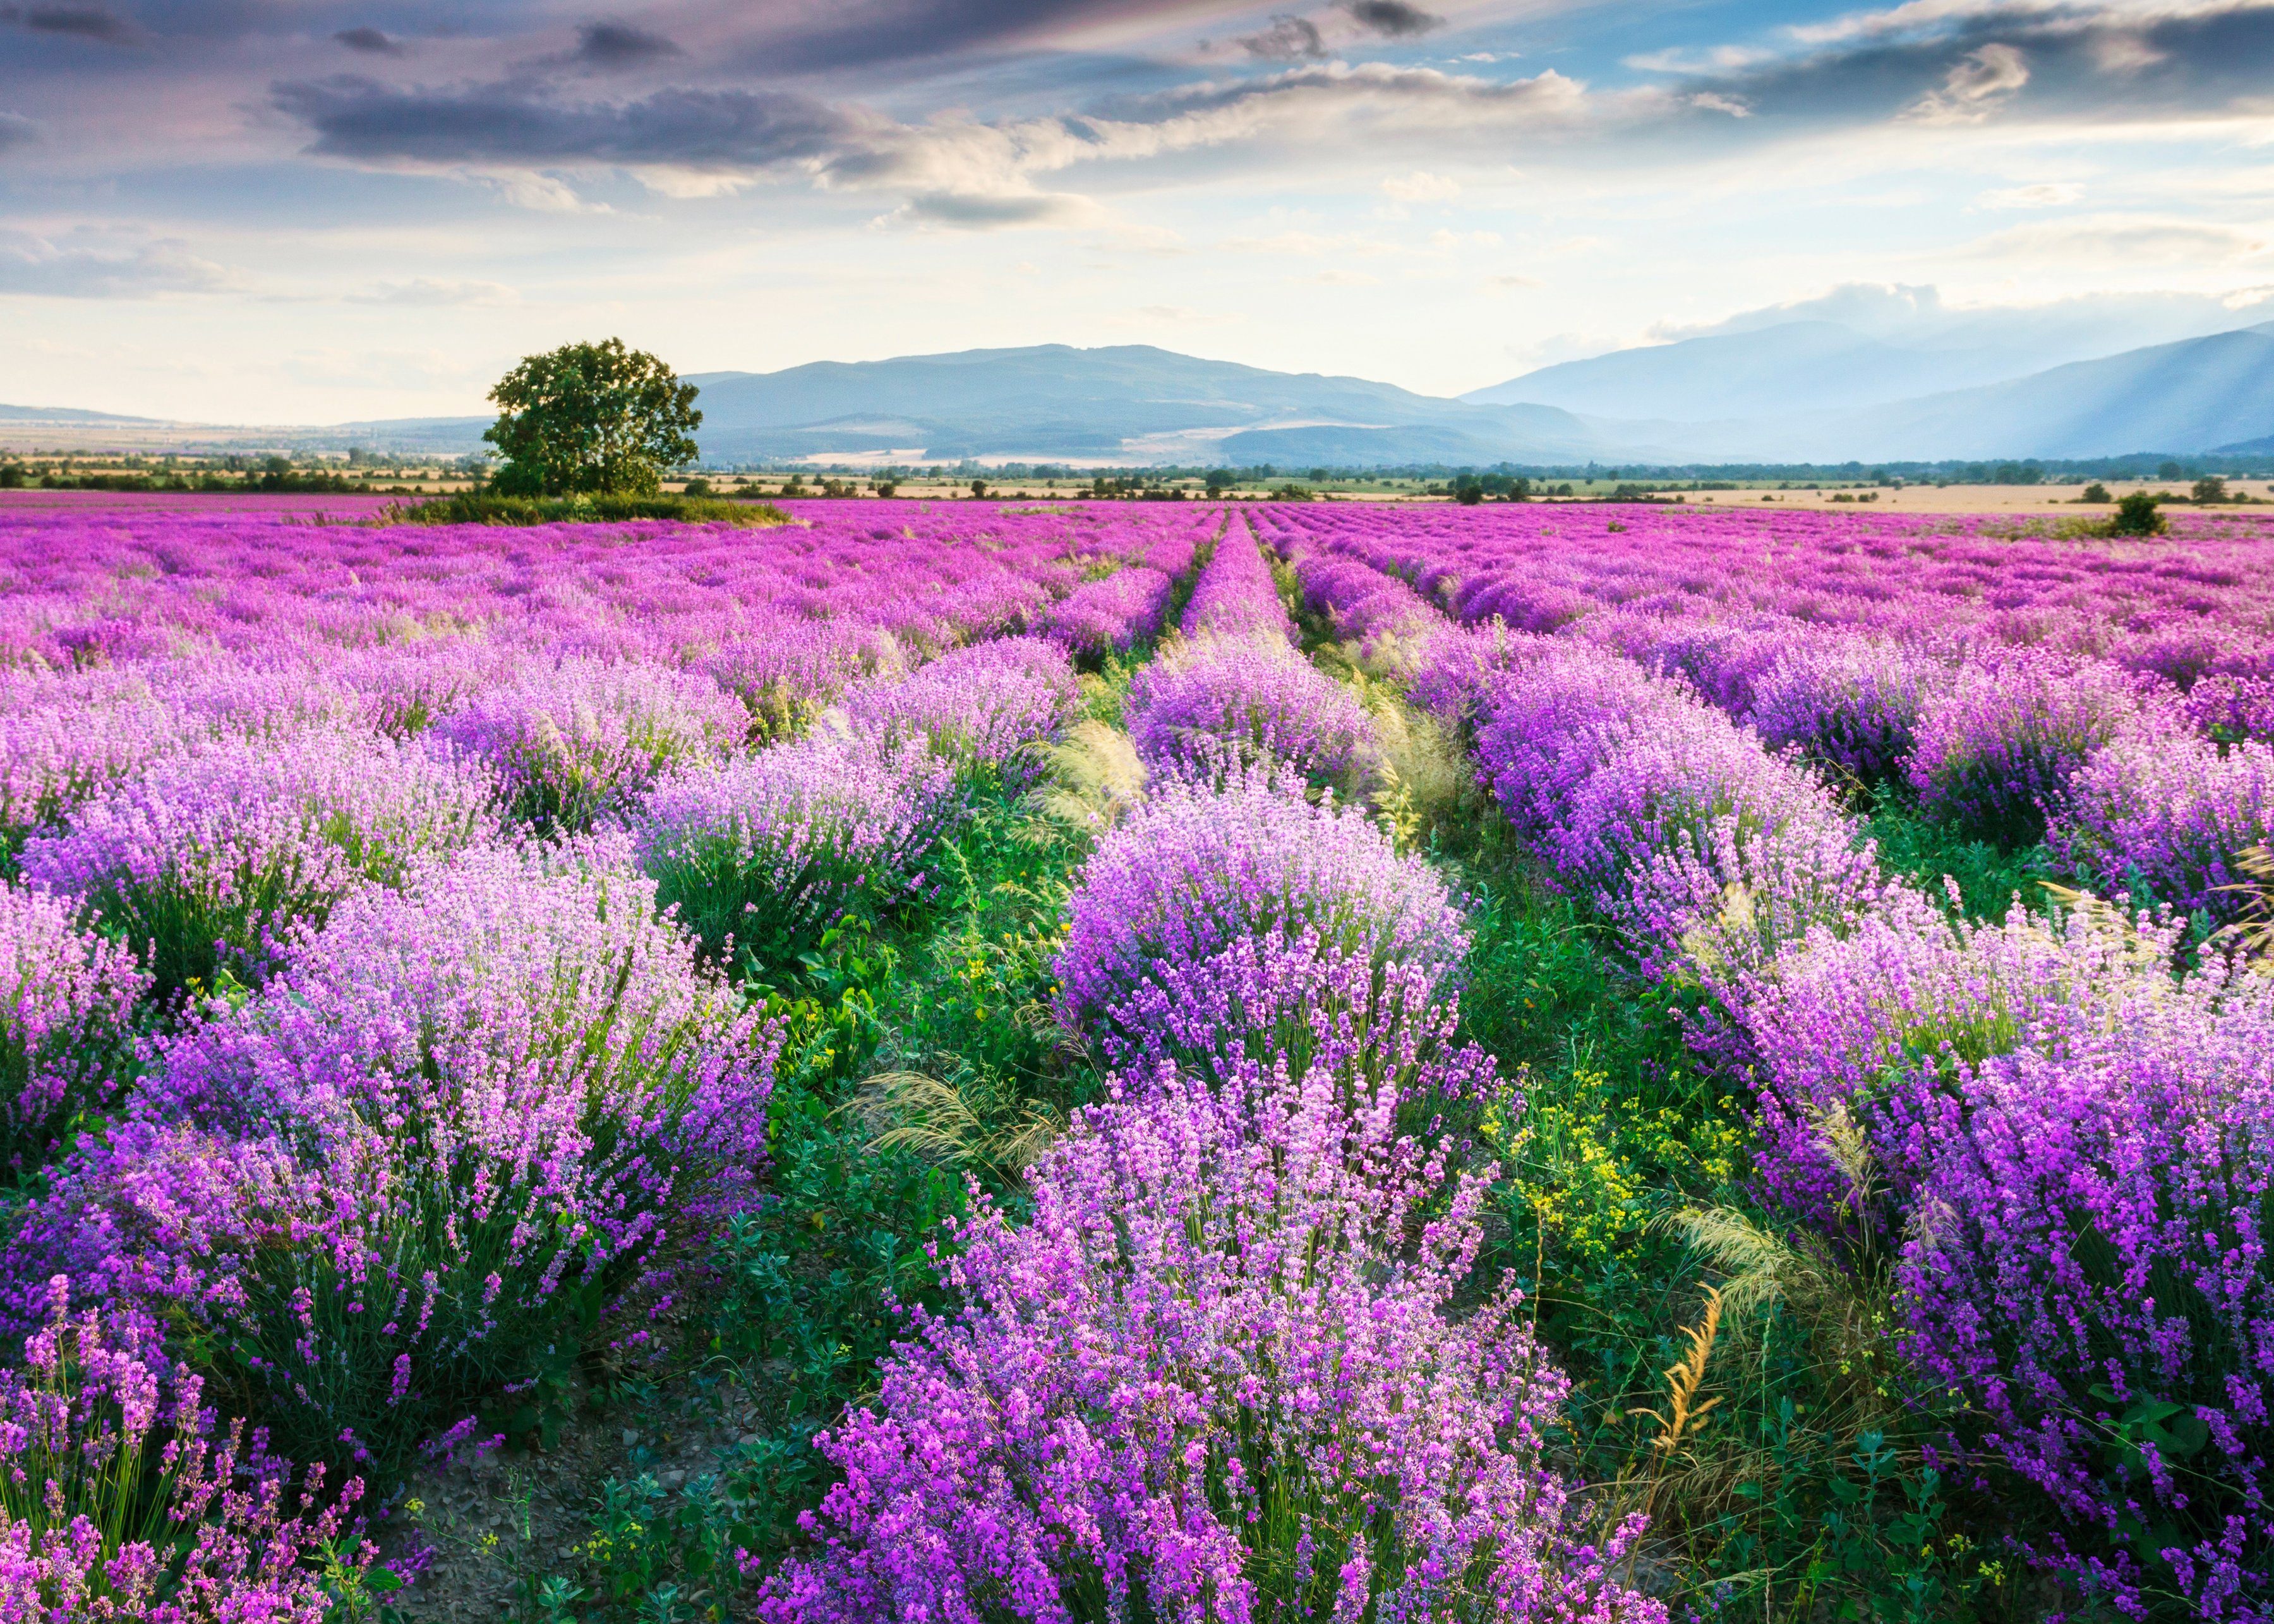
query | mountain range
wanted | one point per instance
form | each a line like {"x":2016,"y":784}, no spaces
{"x":1807,"y":389}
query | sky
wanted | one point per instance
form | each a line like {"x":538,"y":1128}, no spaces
{"x":310,"y":211}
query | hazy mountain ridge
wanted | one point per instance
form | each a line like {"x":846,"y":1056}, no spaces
{"x":1808,"y":390}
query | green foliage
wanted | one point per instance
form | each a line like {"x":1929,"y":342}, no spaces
{"x":1930,"y":855}
{"x":2137,"y":514}
{"x":488,"y":507}
{"x":591,"y":419}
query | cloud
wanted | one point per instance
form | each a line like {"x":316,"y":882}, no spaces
{"x":2126,"y":239}
{"x":1713,"y":102}
{"x":2044,"y":194}
{"x":371,"y":41}
{"x":621,"y":45}
{"x":426,"y":291}
{"x":1345,"y":279}
{"x":1422,"y":187}
{"x":1975,"y":86}
{"x":1391,"y":18}
{"x":1509,"y":283}
{"x":36,"y":265}
{"x":17,"y":131}
{"x":85,"y":22}
{"x":983,"y":211}
{"x":1288,"y":38}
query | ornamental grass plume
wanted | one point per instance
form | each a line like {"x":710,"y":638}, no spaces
{"x":1196,"y":872}
{"x":67,"y":1025}
{"x":210,"y":859}
{"x":979,"y":708}
{"x":2164,"y":819}
{"x":1849,"y":704}
{"x":759,"y":856}
{"x":466,"y":1135}
{"x":1218,"y":1376}
{"x":575,"y":741}
{"x":119,"y":1502}
{"x":1228,"y":701}
{"x":1999,"y":742}
{"x":2090,"y":1268}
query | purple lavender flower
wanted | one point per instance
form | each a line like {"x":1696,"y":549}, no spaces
{"x":1194,"y":873}
{"x":469,"y":1128}
{"x":762,"y":854}
{"x":1111,"y":615}
{"x":1237,"y":595}
{"x":1851,"y":704}
{"x":579,"y":740}
{"x":978,"y":707}
{"x":1998,"y":744}
{"x":209,"y":858}
{"x":2162,"y":816}
{"x":1229,"y":700}
{"x":67,"y":999}
{"x":1213,"y":1378}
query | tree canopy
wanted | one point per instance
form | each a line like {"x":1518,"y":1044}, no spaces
{"x":591,"y":419}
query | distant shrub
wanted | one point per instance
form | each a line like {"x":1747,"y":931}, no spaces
{"x":488,"y":507}
{"x":1850,"y":703}
{"x":2137,"y":514}
{"x":210,"y":858}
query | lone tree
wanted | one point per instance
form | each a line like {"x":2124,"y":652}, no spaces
{"x":591,"y":419}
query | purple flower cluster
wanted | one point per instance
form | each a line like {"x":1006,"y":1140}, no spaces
{"x":797,"y":667}
{"x":67,"y":999}
{"x":978,"y":708}
{"x":1849,"y":704}
{"x":1236,"y":596}
{"x":577,"y":740}
{"x":1195,"y":873}
{"x":1999,"y":743}
{"x":1111,"y":615}
{"x":211,"y":857}
{"x":763,"y":852}
{"x":2092,"y":1266}
{"x":472,"y":1122}
{"x":119,"y":1502}
{"x":1225,"y":701}
{"x":1213,"y":1378}
{"x":2162,"y":816}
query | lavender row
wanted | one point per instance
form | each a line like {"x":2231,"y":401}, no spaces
{"x":2069,"y":1149}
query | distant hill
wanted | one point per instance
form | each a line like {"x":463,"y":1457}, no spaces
{"x":1795,"y":391}
{"x":1126,"y":403}
{"x":65,"y":414}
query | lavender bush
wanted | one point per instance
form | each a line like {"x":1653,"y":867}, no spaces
{"x":1235,"y":595}
{"x":118,"y":1502}
{"x":209,"y":859}
{"x":67,"y":999}
{"x":978,"y":708}
{"x":460,"y":1138}
{"x":1851,"y":704}
{"x":2164,"y":817}
{"x":1109,"y":615}
{"x":1223,"y":701}
{"x":2090,"y":1269}
{"x":759,"y":855}
{"x":578,"y":740}
{"x":1212,"y":1379}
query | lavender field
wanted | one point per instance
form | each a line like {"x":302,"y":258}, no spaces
{"x":1135,"y":1062}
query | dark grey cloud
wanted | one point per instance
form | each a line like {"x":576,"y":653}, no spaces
{"x":516,"y":126}
{"x":1999,"y":62}
{"x":369,"y":40}
{"x":823,"y":36}
{"x":1288,"y":38}
{"x":979,"y":211}
{"x":16,"y":132}
{"x":1392,"y":18}
{"x":621,"y":45}
{"x":85,"y":22}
